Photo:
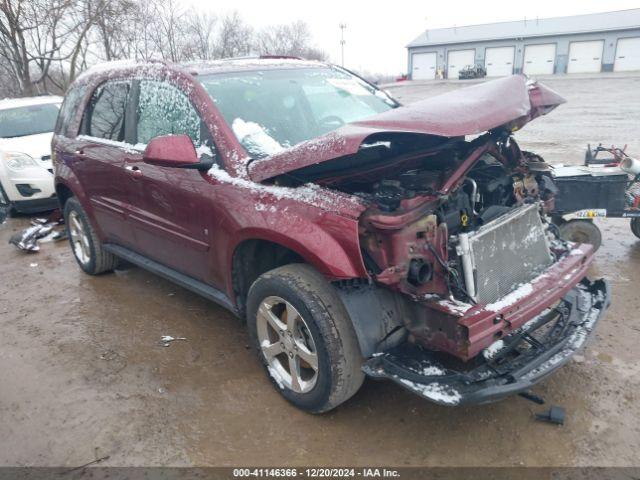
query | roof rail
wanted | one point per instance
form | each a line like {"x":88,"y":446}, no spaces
{"x":280,"y":57}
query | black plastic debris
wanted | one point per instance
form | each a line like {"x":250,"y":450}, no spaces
{"x":532,"y":397}
{"x":553,"y":415}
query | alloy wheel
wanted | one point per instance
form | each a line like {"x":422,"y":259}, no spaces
{"x":287,"y":345}
{"x":79,"y":238}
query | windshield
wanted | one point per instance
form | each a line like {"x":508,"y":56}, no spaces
{"x":270,"y":110}
{"x":29,"y":120}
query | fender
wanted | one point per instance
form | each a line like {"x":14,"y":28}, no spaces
{"x":330,"y":248}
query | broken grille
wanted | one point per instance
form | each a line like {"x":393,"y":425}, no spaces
{"x":504,"y":253}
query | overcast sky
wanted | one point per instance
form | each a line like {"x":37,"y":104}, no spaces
{"x":377,"y":32}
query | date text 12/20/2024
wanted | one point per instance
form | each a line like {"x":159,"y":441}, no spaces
{"x":365,"y":472}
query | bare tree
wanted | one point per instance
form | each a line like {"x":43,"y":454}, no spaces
{"x":44,"y":44}
{"x":8,"y":85}
{"x":234,"y":38}
{"x":168,"y":31}
{"x":16,"y":25}
{"x":201,"y":41}
{"x":115,"y":27}
{"x":292,"y":39}
{"x":81,"y":20}
{"x":36,"y":34}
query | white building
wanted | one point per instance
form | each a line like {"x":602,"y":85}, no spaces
{"x":600,"y":42}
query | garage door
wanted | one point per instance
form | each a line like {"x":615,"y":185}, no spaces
{"x":585,"y":57}
{"x":627,"y":55}
{"x":423,"y":66}
{"x":458,"y":59}
{"x":498,"y":61}
{"x":539,"y":59}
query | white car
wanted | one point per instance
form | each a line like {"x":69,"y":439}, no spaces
{"x":26,"y":173}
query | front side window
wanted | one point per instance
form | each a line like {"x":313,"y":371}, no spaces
{"x":28,"y":120}
{"x":270,"y":110}
{"x":107,"y":110}
{"x":164,"y":110}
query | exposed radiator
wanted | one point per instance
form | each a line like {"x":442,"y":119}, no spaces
{"x":504,"y":253}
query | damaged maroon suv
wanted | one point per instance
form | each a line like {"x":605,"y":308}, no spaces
{"x":357,"y":237}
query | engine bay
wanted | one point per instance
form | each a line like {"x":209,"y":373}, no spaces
{"x":411,"y":233}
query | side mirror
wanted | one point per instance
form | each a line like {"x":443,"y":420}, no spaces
{"x":175,"y":151}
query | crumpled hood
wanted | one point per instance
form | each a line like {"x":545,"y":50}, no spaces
{"x":35,"y":146}
{"x":510,"y":102}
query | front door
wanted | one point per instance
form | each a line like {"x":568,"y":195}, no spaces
{"x":166,"y":216}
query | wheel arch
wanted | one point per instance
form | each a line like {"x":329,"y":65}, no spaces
{"x":68,"y":186}
{"x":64,"y":193}
{"x":258,"y":253}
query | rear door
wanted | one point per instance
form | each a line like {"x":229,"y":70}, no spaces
{"x":167,"y":213}
{"x":99,"y":159}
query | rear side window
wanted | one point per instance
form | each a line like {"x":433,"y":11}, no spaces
{"x":163,"y":110}
{"x":105,"y":114}
{"x":68,"y":111}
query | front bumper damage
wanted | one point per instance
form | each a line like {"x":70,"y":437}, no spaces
{"x":513,"y":364}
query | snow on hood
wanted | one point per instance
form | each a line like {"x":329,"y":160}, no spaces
{"x":35,"y":146}
{"x":466,"y":111}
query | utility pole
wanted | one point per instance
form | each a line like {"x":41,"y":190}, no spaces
{"x":342,"y":41}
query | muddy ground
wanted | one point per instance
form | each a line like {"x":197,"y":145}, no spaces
{"x":83,"y":375}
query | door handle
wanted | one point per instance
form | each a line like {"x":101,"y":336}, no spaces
{"x":80,"y":155}
{"x":134,"y":170}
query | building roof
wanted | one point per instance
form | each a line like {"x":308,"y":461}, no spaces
{"x":537,"y":27}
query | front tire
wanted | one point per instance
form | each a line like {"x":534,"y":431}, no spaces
{"x":85,"y":244}
{"x":304,"y":338}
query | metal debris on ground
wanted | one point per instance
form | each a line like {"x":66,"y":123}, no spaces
{"x":44,"y":229}
{"x":166,"y":340}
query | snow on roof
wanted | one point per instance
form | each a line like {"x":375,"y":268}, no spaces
{"x":201,"y":66}
{"x":114,"y":65}
{"x":27,"y":101}
{"x":536,"y":27}
{"x":249,"y":63}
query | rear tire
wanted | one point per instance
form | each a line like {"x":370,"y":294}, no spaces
{"x":635,"y":226}
{"x":85,"y":244}
{"x":297,"y":321}
{"x":581,"y":231}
